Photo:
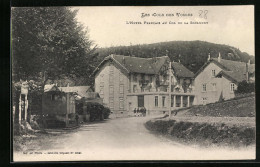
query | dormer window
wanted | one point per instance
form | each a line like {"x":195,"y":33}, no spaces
{"x":213,"y":73}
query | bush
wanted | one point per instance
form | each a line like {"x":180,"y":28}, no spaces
{"x":97,"y":111}
{"x":244,"y":87}
{"x":106,"y":112}
{"x":204,"y":133}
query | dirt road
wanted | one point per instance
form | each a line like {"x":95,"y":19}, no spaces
{"x":121,"y":139}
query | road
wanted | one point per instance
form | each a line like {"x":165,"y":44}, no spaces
{"x":121,"y":139}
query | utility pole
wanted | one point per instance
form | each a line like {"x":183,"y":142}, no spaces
{"x":170,"y":88}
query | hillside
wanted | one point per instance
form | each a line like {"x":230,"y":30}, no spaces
{"x":192,"y":54}
{"x":237,"y":107}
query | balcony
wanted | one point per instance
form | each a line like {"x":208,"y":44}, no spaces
{"x":161,"y":90}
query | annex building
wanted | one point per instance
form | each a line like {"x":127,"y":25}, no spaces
{"x":218,"y":78}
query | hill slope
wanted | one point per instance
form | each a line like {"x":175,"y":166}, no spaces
{"x":192,"y":54}
{"x":237,"y":107}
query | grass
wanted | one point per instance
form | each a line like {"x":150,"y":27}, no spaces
{"x":238,"y":107}
{"x":226,"y":123}
{"x":204,"y":134}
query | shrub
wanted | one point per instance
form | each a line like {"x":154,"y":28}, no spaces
{"x":106,"y":112}
{"x":97,"y":111}
{"x":244,"y":87}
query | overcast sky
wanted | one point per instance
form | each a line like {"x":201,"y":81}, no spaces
{"x":230,"y":25}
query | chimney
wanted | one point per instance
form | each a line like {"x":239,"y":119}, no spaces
{"x":68,"y":85}
{"x":249,"y":62}
{"x":209,"y":57}
{"x":219,"y":57}
{"x":179,"y":61}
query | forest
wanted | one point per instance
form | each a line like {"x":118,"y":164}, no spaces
{"x":192,"y":54}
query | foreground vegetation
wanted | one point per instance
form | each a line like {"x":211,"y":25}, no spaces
{"x":226,"y":123}
{"x":203,"y":133}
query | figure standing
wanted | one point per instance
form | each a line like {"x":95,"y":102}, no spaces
{"x":77,"y":119}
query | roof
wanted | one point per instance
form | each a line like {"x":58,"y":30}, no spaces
{"x":233,"y":76}
{"x":181,"y":71}
{"x":80,"y":90}
{"x":50,"y":88}
{"x":136,"y":64}
{"x":142,"y":65}
{"x":145,"y":65}
{"x":234,"y":70}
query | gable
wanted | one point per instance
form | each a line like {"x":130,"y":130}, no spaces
{"x":181,"y":71}
{"x":206,"y":72}
{"x":105,"y":66}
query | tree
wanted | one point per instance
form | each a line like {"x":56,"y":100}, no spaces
{"x":47,"y":44}
{"x":48,"y":41}
{"x":245,"y":87}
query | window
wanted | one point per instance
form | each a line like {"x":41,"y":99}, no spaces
{"x":163,"y":101}
{"x":151,"y":78}
{"x":204,"y":87}
{"x":111,"y":78}
{"x":135,"y":77}
{"x":143,"y":77}
{"x":204,"y":100}
{"x":101,"y":90}
{"x":156,"y":101}
{"x":214,"y":86}
{"x":53,"y":97}
{"x":121,"y":103}
{"x":111,"y":102}
{"x":232,"y":87}
{"x":213,"y":73}
{"x":121,"y":77}
{"x":135,"y":88}
{"x":111,"y":90}
{"x":121,"y":89}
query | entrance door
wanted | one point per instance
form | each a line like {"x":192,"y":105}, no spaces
{"x":140,"y":101}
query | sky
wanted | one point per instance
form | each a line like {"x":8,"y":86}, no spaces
{"x":229,"y":25}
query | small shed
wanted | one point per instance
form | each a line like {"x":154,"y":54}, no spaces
{"x":58,"y":107}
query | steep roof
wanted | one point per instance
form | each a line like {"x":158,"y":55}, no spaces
{"x":141,"y":65}
{"x":233,"y":76}
{"x":136,"y":64}
{"x":181,"y":71}
{"x":80,"y":90}
{"x":50,"y":88}
{"x":146,"y":65}
{"x":234,"y":70}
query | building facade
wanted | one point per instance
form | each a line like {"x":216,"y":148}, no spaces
{"x":218,"y":79}
{"x":126,"y":83}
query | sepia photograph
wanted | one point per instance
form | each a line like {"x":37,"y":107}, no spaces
{"x":113,"y":83}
